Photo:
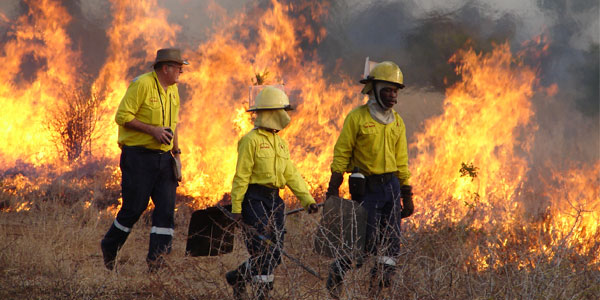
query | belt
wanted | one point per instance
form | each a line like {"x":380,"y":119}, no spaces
{"x":143,"y":149}
{"x":263,"y":190}
{"x":380,"y":178}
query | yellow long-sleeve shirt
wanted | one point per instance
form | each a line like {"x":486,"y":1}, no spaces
{"x":142,"y":102}
{"x":373,"y":147}
{"x":264,"y":158}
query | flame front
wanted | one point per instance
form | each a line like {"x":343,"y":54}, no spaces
{"x":472,"y":164}
{"x":40,"y":38}
{"x":575,"y":206}
{"x":487,"y":117}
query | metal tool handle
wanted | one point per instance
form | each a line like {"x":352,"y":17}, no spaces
{"x":293,"y":211}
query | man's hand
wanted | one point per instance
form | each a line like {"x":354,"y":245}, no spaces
{"x":313,"y":208}
{"x":334,"y":185}
{"x":157,"y":132}
{"x":407,"y":203}
{"x":163,"y":135}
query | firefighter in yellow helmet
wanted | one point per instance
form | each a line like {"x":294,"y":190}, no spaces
{"x":372,"y":145}
{"x":263,"y":168}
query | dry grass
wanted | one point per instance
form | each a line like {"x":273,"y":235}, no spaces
{"x":51,"y":251}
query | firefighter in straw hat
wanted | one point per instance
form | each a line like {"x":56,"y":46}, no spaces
{"x":150,"y":164}
{"x":372,"y":145}
{"x":263,"y":168}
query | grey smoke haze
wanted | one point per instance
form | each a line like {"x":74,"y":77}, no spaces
{"x":422,"y":35}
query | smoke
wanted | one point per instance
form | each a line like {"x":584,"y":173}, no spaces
{"x":422,"y":35}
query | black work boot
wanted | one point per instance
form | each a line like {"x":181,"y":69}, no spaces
{"x":111,"y":244}
{"x":335,"y":279}
{"x":381,"y":277}
{"x":156,"y":264}
{"x":160,"y":245}
{"x":236,"y":279}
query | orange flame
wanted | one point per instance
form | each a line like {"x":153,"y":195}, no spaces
{"x":39,"y":37}
{"x":487,"y":116}
{"x":575,"y":206}
{"x":471,"y":162}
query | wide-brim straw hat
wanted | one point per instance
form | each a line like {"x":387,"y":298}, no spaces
{"x":169,"y":55}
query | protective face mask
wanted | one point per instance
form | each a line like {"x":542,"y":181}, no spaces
{"x":276,"y":119}
{"x":383,"y":116}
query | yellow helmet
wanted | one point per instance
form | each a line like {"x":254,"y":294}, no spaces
{"x":270,"y":97}
{"x":383,"y":71}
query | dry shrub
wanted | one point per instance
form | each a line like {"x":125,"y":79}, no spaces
{"x":73,"y":123}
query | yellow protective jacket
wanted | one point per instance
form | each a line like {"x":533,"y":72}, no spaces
{"x":264,"y":158}
{"x":373,"y":147}
{"x":142,"y":102}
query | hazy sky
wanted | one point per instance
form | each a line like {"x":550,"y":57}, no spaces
{"x":534,"y":15}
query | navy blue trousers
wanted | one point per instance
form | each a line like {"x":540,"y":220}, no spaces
{"x":147,"y":174}
{"x":383,"y":205}
{"x":263,"y":210}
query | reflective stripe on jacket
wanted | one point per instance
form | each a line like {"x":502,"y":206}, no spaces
{"x":373,"y":147}
{"x":142,"y":102}
{"x":264,"y":158}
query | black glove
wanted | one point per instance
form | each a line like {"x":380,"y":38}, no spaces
{"x":407,"y":204}
{"x":313,"y":208}
{"x":334,"y":185}
{"x":236,"y":217}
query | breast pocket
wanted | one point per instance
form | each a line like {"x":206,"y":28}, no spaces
{"x":151,"y":112}
{"x":367,"y":135}
{"x":283,"y":155}
{"x":394,"y":134}
{"x":265,"y":161}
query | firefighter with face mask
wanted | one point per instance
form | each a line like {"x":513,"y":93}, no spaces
{"x":372,"y":144}
{"x":263,"y":168}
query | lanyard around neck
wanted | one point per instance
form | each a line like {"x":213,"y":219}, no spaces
{"x":161,"y":105}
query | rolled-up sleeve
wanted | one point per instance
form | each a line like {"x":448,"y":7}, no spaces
{"x":131,"y":102}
